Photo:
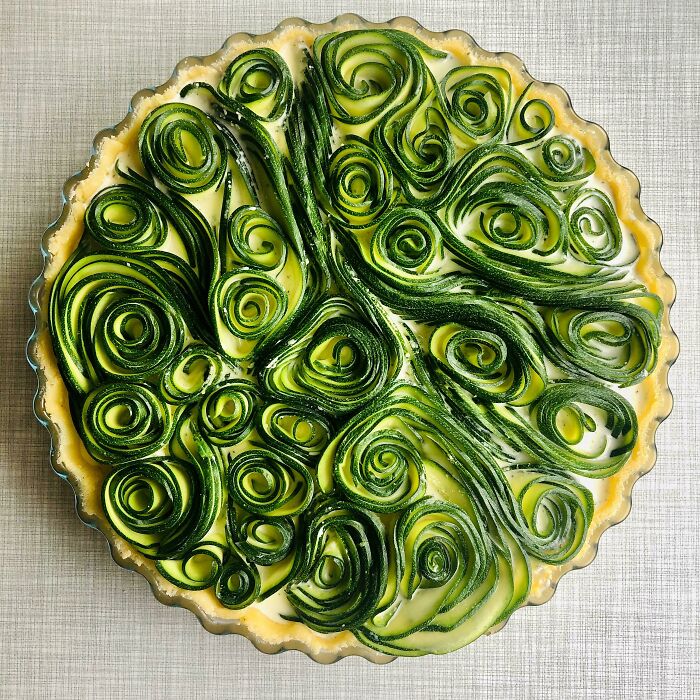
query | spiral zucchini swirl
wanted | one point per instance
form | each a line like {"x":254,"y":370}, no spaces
{"x":356,"y":331}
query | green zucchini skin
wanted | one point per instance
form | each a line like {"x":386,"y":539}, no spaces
{"x":355,"y":333}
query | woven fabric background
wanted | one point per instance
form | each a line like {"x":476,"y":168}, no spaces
{"x":74,"y":625}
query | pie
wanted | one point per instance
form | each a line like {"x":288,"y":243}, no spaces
{"x":353,"y":339}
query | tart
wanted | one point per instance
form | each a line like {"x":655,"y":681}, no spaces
{"x":353,"y":339}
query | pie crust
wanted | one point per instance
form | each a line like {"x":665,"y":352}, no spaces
{"x":70,"y":460}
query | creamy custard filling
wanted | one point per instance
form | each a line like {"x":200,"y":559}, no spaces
{"x":357,"y":330}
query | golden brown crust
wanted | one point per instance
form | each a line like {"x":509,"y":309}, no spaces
{"x":70,"y":458}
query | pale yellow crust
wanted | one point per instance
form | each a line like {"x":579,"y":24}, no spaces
{"x":71,"y":459}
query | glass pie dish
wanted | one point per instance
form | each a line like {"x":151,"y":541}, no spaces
{"x":71,"y":461}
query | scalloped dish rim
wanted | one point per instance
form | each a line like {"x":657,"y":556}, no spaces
{"x":68,"y":456}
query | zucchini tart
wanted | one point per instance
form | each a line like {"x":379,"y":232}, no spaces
{"x":353,"y":339}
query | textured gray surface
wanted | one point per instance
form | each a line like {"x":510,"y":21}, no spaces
{"x":74,"y":625}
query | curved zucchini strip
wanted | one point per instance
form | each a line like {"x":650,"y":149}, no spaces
{"x":122,"y":218}
{"x":259,"y":79}
{"x":378,"y":462}
{"x":595,"y":231}
{"x":200,"y":568}
{"x":256,"y":239}
{"x":124,"y":421}
{"x":441,"y":558}
{"x":247,"y":306}
{"x":181,"y":146}
{"x":344,"y":568}
{"x":530,"y":121}
{"x":195,"y":263}
{"x":148,"y":501}
{"x":350,"y":332}
{"x":191,"y":374}
{"x":503,"y":590}
{"x":165,"y":507}
{"x":476,"y":100}
{"x":367,"y":73}
{"x":114,"y":317}
{"x":265,"y":540}
{"x":617,"y":343}
{"x":334,"y":361}
{"x":556,"y":512}
{"x":504,"y":207}
{"x":418,"y":145}
{"x":225,"y":414}
{"x":264,"y":483}
{"x":269,"y":544}
{"x":303,"y":433}
{"x":503,"y":365}
{"x":581,"y":427}
{"x":563,"y":160}
{"x":405,"y":252}
{"x":359,"y":183}
{"x":239,"y":583}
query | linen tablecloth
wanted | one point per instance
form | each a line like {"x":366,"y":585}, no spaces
{"x":74,"y":625}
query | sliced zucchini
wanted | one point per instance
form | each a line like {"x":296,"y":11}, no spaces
{"x":351,"y":330}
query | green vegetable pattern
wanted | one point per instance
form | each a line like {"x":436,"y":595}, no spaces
{"x":354,"y":333}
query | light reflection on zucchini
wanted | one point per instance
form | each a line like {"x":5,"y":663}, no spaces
{"x":353,"y":337}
